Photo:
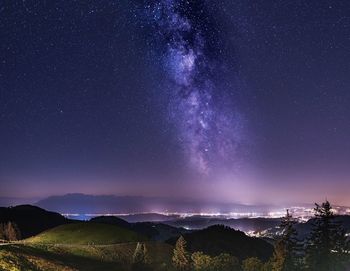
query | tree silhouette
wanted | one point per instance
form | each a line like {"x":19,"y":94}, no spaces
{"x":11,"y":231}
{"x":138,"y":254}
{"x":146,"y":258}
{"x":279,"y":256}
{"x":287,"y":254}
{"x":327,"y":244}
{"x":140,"y":259}
{"x":180,"y":256}
{"x":2,"y":232}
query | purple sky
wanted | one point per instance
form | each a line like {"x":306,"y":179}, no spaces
{"x":241,"y":101}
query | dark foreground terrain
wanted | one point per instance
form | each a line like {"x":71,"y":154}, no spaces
{"x":51,"y":242}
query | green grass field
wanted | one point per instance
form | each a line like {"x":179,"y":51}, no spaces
{"x":20,"y":257}
{"x":86,"y":234}
{"x":82,"y":246}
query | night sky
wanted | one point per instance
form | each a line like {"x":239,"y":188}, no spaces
{"x":233,"y":100}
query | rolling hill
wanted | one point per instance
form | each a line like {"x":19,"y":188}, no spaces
{"x":82,"y":246}
{"x":221,"y":239}
{"x":115,"y":257}
{"x":153,"y":230}
{"x":86,"y":233}
{"x":31,"y":220}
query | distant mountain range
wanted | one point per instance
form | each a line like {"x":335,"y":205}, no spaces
{"x":186,"y":214}
{"x":13,"y":201}
{"x":104,"y":204}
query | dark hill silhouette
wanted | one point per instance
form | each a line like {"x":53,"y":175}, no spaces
{"x":111,"y":220}
{"x":221,"y":239}
{"x":154,"y":231}
{"x":31,"y":220}
{"x":162,"y":231}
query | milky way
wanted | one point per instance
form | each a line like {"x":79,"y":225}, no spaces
{"x":209,"y":128}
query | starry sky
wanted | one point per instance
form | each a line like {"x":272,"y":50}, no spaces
{"x":230,"y":100}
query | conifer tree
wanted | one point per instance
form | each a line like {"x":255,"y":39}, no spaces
{"x":138,"y":254}
{"x":146,"y":258}
{"x":290,"y":243}
{"x":327,"y":244}
{"x":2,"y":232}
{"x":12,"y":232}
{"x":278,"y":257}
{"x":285,"y":257}
{"x":180,"y":257}
{"x":140,"y":260}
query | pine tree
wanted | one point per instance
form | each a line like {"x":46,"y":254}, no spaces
{"x":290,"y":243}
{"x":279,"y":256}
{"x":17,"y":230}
{"x":12,"y":232}
{"x":2,"y":232}
{"x":327,"y":243}
{"x":138,"y":254}
{"x":146,"y":258}
{"x":285,"y":257}
{"x":140,"y":260}
{"x":180,"y":257}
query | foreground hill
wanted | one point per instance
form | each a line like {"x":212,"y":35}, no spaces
{"x":87,"y":233}
{"x":31,"y":220}
{"x":116,"y":257}
{"x":220,"y":239}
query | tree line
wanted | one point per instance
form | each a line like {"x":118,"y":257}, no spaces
{"x":325,"y":249}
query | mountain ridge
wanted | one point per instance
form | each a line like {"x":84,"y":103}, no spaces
{"x":103,"y":204}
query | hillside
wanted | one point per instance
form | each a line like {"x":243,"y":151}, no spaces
{"x":80,"y":257}
{"x":31,"y":220}
{"x":220,"y":239}
{"x":111,"y":220}
{"x":153,"y":230}
{"x":86,"y":233}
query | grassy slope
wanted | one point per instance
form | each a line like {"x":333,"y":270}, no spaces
{"x":86,"y":233}
{"x":81,"y":246}
{"x":80,"y":257}
{"x":26,"y":258}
